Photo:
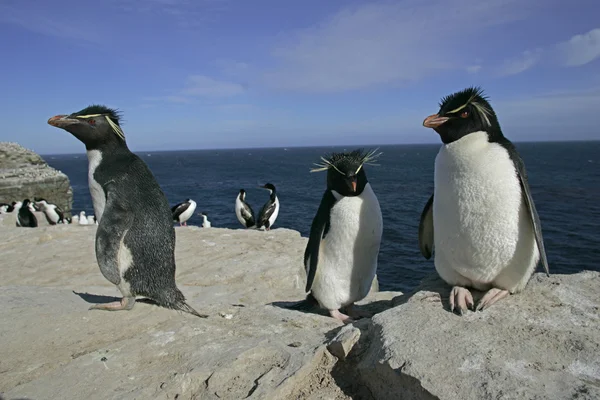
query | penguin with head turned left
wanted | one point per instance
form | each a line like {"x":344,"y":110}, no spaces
{"x":481,"y":221}
{"x":135,"y":238}
{"x":343,"y":247}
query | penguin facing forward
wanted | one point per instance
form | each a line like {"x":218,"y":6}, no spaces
{"x":183,"y":211}
{"x":135,"y":238}
{"x":343,"y":248}
{"x":25,"y":217}
{"x":54,"y":215}
{"x":205,"y":222}
{"x":481,"y":220}
{"x":268,"y":214}
{"x":82,"y":218}
{"x":243,"y":211}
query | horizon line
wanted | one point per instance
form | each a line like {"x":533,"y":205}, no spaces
{"x":319,"y":146}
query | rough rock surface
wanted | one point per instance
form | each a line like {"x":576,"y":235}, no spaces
{"x":543,"y":343}
{"x":25,"y":174}
{"x":52,"y":347}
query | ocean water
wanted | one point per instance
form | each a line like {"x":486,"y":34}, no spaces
{"x":564,"y":178}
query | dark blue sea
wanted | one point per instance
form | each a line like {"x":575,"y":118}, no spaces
{"x":564,"y":178}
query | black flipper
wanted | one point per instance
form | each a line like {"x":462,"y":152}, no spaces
{"x":526,"y":192}
{"x":248,"y":215}
{"x":318,"y":230}
{"x":179,"y":209}
{"x":110,"y":234}
{"x":265,"y":213}
{"x":426,"y":229}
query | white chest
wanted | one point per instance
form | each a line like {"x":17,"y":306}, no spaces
{"x":273,"y":216}
{"x":96,"y":190}
{"x":477,"y":204}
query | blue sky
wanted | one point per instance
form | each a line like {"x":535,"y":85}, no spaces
{"x":240,"y":73}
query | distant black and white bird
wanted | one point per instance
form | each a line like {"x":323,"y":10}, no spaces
{"x":343,"y":247}
{"x":183,"y":211}
{"x":26,"y":218}
{"x":4,"y":208}
{"x":54,"y":215}
{"x":205,"y":222}
{"x":82,"y":220}
{"x":243,"y":211}
{"x":481,"y":221}
{"x":135,"y":238}
{"x":268,"y":214}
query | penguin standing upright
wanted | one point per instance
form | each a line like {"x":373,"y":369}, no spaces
{"x":268,"y":214}
{"x":205,"y":222}
{"x":243,"y":211}
{"x":342,"y":251}
{"x":135,"y":238}
{"x":25,"y":217}
{"x":54,"y":215}
{"x":481,"y":220}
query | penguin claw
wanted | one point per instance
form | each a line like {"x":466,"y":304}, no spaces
{"x":461,"y":299}
{"x":492,"y":296}
{"x":342,"y":317}
{"x":126,"y":303}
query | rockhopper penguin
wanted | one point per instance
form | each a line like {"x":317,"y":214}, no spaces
{"x":481,"y":220}
{"x":343,"y":248}
{"x":243,"y":211}
{"x":268,"y":214}
{"x":135,"y":238}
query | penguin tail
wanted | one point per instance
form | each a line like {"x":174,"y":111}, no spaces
{"x":307,"y":304}
{"x":175,"y":300}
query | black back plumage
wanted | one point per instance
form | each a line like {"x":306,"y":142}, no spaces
{"x":268,"y":208}
{"x":26,"y":218}
{"x":246,"y":211}
{"x":179,"y":209}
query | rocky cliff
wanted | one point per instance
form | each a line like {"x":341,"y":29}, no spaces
{"x":24,"y":174}
{"x":541,"y":344}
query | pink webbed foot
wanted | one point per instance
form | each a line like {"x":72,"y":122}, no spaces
{"x":342,"y":317}
{"x":460,"y":299}
{"x":492,"y":296}
{"x":126,"y":303}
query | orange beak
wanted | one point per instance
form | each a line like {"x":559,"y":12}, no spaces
{"x":354,"y":186}
{"x":433,"y":121}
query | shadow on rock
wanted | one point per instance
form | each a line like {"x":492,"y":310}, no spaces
{"x":101,"y":299}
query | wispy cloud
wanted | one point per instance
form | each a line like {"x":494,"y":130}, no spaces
{"x":578,"y":50}
{"x":521,"y":63}
{"x":385,"y":43}
{"x":201,"y":86}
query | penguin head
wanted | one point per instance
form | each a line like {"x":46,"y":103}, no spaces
{"x":96,"y":126}
{"x":345,"y":171}
{"x":25,"y":203}
{"x":270,"y":187}
{"x":242,"y":194}
{"x":462,"y":113}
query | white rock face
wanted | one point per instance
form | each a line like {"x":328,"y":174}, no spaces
{"x":543,"y":343}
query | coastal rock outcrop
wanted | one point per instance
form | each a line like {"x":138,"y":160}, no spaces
{"x":25,"y":174}
{"x":543,"y":343}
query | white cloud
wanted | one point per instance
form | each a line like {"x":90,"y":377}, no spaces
{"x":522,"y":63}
{"x":580,"y":49}
{"x":202,"y":85}
{"x":385,"y":43}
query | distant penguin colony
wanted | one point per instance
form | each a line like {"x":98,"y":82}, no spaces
{"x":135,"y":238}
{"x":342,"y":251}
{"x":183,"y":211}
{"x":243,"y":211}
{"x":481,"y":219}
{"x":268,"y":214}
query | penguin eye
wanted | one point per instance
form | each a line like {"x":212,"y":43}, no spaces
{"x":92,"y":121}
{"x":464,"y":114}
